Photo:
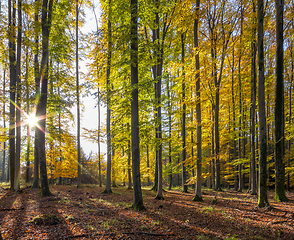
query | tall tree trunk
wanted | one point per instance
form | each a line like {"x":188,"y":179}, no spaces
{"x":108,"y":131}
{"x":198,"y":196}
{"x":129,"y":162}
{"x":262,"y":190}
{"x":18,"y":100}
{"x":12,"y":66}
{"x":184,"y":173}
{"x":170,"y":177}
{"x":42,"y":105}
{"x":59,"y":132}
{"x":98,"y":102}
{"x":234,"y":126}
{"x":279,"y":107}
{"x":212,"y":148}
{"x":28,"y":173}
{"x":78,"y":97}
{"x":37,"y":87}
{"x":138,"y":199}
{"x":290,"y":116}
{"x":158,"y":67}
{"x":240,"y":165}
{"x":253,"y":104}
{"x":99,"y":130}
{"x":148,"y":165}
{"x":4,"y":126}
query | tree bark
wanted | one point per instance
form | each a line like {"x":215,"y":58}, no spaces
{"x":129,"y":164}
{"x":12,"y":66}
{"x":28,"y":172}
{"x":37,"y":87}
{"x":262,"y":190}
{"x":253,"y":105}
{"x":290,"y":115}
{"x":108,"y":130}
{"x":158,"y":66}
{"x":18,"y":100}
{"x":138,"y":199}
{"x":42,"y":105}
{"x":170,"y":177}
{"x":184,"y":173}
{"x":234,"y":126}
{"x":79,"y":183}
{"x":240,"y":165}
{"x":198,"y":196}
{"x":279,"y":107}
{"x":4,"y":126}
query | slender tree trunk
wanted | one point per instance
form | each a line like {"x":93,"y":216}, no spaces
{"x":170,"y":177}
{"x":138,"y":199}
{"x":158,"y":102}
{"x":37,"y":87}
{"x":12,"y":66}
{"x":59,"y":132}
{"x":98,"y":103}
{"x":18,"y":101}
{"x":234,"y":125}
{"x":148,"y":165}
{"x":212,"y":149}
{"x":290,"y":116}
{"x":4,"y":126}
{"x":184,"y":173}
{"x":279,"y":107}
{"x":262,"y":189}
{"x":51,"y":127}
{"x":240,"y":165}
{"x":198,"y":196}
{"x":78,"y":97}
{"x":28,"y":174}
{"x":253,"y":105}
{"x":99,"y":130}
{"x":108,"y":131}
{"x":129,"y":162}
{"x":42,"y":105}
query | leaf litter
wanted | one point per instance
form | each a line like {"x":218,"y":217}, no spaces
{"x":87,"y":213}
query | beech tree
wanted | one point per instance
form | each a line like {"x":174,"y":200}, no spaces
{"x":198,"y":196}
{"x":262,"y":187}
{"x":138,"y":198}
{"x":42,"y":104}
{"x":108,"y":87}
{"x":279,"y":107}
{"x":12,"y":68}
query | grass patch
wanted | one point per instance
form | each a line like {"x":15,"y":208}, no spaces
{"x":144,"y":228}
{"x":108,"y":224}
{"x":45,"y":220}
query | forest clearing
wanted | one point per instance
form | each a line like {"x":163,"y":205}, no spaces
{"x":87,"y":213}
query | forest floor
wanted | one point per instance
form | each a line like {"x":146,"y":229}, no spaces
{"x":87,"y":213}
